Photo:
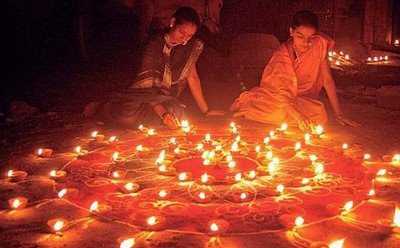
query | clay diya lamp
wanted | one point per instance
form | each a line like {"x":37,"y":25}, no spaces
{"x":126,"y":242}
{"x":129,"y":187}
{"x":57,"y":225}
{"x":217,"y":227}
{"x":155,"y":222}
{"x":118,"y":174}
{"x":57,"y":175}
{"x":18,"y":203}
{"x":202,"y":195}
{"x":163,"y":194}
{"x":45,"y":152}
{"x":68,"y":193}
{"x":16,"y":176}
{"x":96,"y":208}
{"x":142,"y":151}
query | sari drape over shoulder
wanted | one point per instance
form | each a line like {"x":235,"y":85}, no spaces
{"x":287,"y":80}
{"x":161,"y":79}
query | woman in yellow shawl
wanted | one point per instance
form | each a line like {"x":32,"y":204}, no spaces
{"x":292,"y":80}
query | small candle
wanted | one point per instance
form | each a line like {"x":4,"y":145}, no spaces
{"x":57,"y":225}
{"x":16,"y":176}
{"x":155,"y":222}
{"x":313,"y":157}
{"x":141,"y":128}
{"x":68,"y":193}
{"x":266,"y":140}
{"x":118,"y":174}
{"x":80,"y":152}
{"x":218,"y":226}
{"x":305,"y":181}
{"x":142,"y":151}
{"x":57,"y":174}
{"x":337,"y":62}
{"x":280,"y":188}
{"x":44,"y":152}
{"x":396,"y":158}
{"x":319,"y":129}
{"x":238,"y":176}
{"x":297,"y":146}
{"x":337,"y":244}
{"x":126,"y":242}
{"x":345,"y":146}
{"x":95,"y":207}
{"x":369,"y":59}
{"x":118,"y":161}
{"x":151,"y":132}
{"x":381,"y":172}
{"x":271,"y":134}
{"x":97,"y":137}
{"x":396,"y":42}
{"x":299,"y":221}
{"x":347,"y":57}
{"x":129,"y":187}
{"x":18,"y":203}
{"x":307,"y":137}
{"x":347,"y":207}
{"x":163,"y":194}
{"x":367,"y":156}
{"x":271,"y":168}
{"x":319,"y":168}
{"x":112,"y":139}
{"x":231,"y":164}
{"x":183,"y":176}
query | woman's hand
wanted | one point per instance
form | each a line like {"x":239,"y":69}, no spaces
{"x":306,"y":125}
{"x":342,"y":120}
{"x":171,"y":121}
{"x":215,"y":112}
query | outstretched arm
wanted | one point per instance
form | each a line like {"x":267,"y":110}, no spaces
{"x":330,"y":88}
{"x":197,"y":92}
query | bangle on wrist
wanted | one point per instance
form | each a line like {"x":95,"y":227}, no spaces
{"x":164,"y":115}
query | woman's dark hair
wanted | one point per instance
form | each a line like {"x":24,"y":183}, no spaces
{"x":186,"y":14}
{"x":305,"y":18}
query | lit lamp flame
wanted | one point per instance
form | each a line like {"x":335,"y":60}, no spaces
{"x":307,"y":137}
{"x":94,"y":134}
{"x":185,"y":123}
{"x":205,"y":154}
{"x":182,"y":176}
{"x":94,"y":207}
{"x":284,"y":126}
{"x":319,"y":130}
{"x":162,"y":193}
{"x":162,"y":168}
{"x":229,"y":158}
{"x":396,"y":218}
{"x":313,"y":157}
{"x":381,"y":172}
{"x":258,"y":149}
{"x":297,"y":146}
{"x":206,"y":162}
{"x":237,"y":139}
{"x":348,"y":206}
{"x":78,"y":149}
{"x":40,"y":152}
{"x":367,"y":156}
{"x":62,"y":193}
{"x":235,"y":147}
{"x":238,"y":176}
{"x":271,"y":133}
{"x":337,"y":244}
{"x":218,"y":148}
{"x":214,"y":227}
{"x":139,"y":148}
{"x":269,"y":155}
{"x":172,"y":140}
{"x":127,"y":243}
{"x":252,"y":174}
{"x":141,"y":127}
{"x":151,"y":132}
{"x":345,"y":146}
{"x":129,"y":186}
{"x":337,"y":62}
{"x":199,"y":147}
{"x":243,"y":196}
{"x":208,"y":137}
{"x":53,"y":173}
{"x":319,"y":168}
{"x":266,"y":140}
{"x":202,"y":195}
{"x":347,"y":57}
{"x":204,"y":178}
{"x":152,"y":220}
{"x":271,"y":167}
{"x":176,"y":150}
{"x":112,"y":138}
{"x":58,"y":226}
{"x":232,"y":124}
{"x":10,"y":173}
{"x":231,"y":164}
{"x":275,"y":160}
{"x":305,"y":181}
{"x":115,"y":156}
{"x":397,"y":42}
{"x":280,"y":188}
{"x":299,"y":221}
{"x":16,"y":203}
{"x":396,"y":158}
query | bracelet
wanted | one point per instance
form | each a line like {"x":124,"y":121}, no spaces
{"x":165,"y":115}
